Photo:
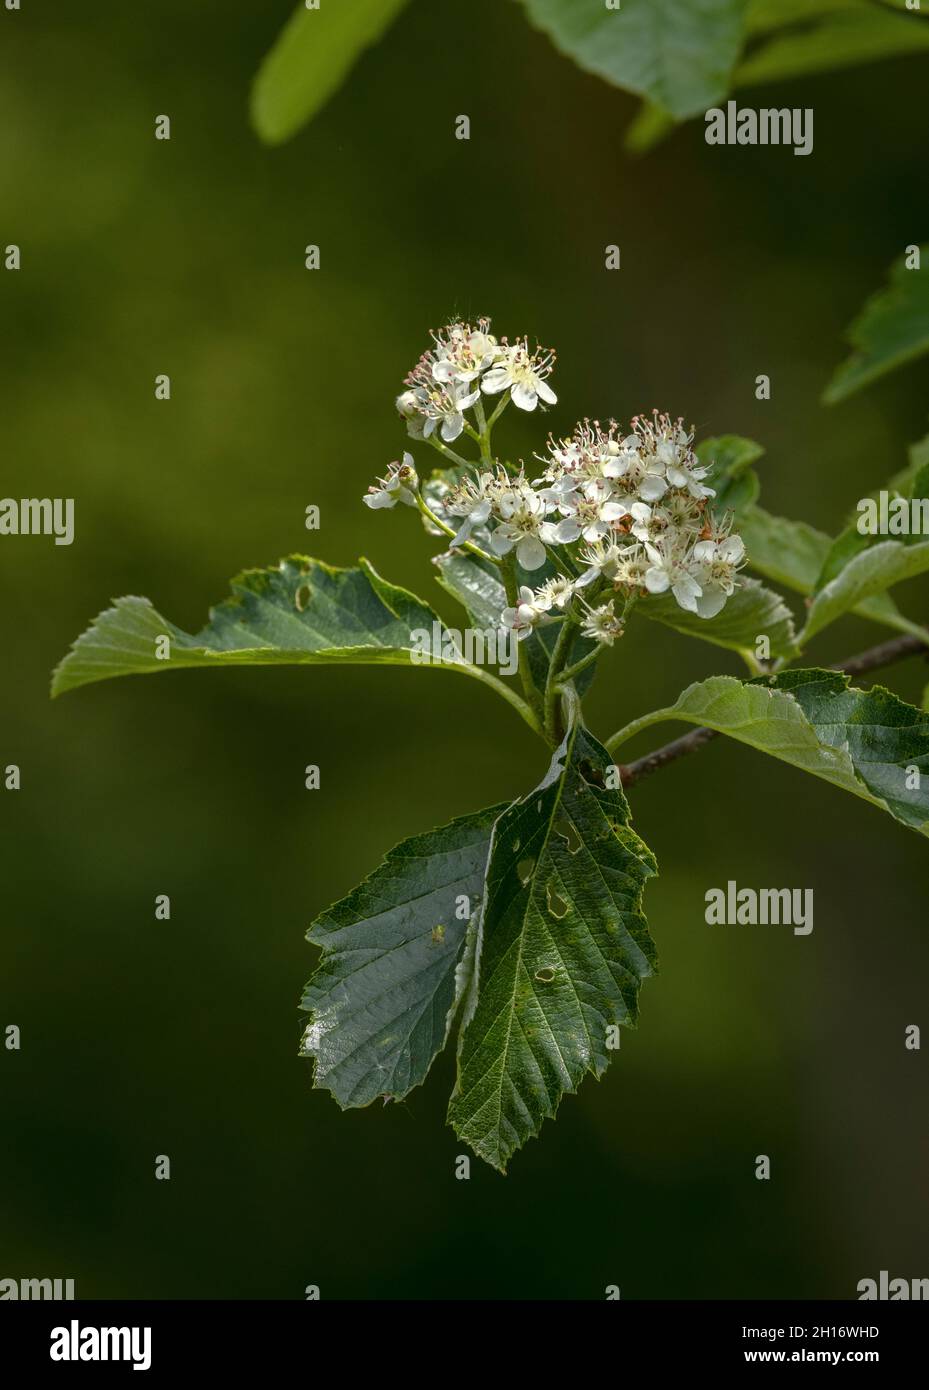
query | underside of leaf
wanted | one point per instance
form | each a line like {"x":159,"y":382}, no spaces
{"x":868,"y":742}
{"x":394,"y":966}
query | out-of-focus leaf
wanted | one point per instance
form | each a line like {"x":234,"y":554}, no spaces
{"x":793,"y":554}
{"x":892,"y":328}
{"x":867,"y":573}
{"x":843,"y":38}
{"x":678,"y":53}
{"x":312,"y":57}
{"x":648,"y":127}
{"x":735,"y":482}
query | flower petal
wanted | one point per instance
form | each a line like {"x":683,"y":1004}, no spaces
{"x":530,"y":553}
{"x":523,"y":397}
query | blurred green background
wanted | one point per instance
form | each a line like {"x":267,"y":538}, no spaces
{"x":141,"y":1037}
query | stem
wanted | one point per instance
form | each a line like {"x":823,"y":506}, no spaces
{"x":635,"y":726}
{"x":563,"y":563}
{"x":569,"y":673}
{"x":448,"y":453}
{"x":500,"y":408}
{"x":569,"y":630}
{"x":533,"y":695}
{"x":884,"y":654}
{"x":427,"y":511}
{"x":483,"y":438}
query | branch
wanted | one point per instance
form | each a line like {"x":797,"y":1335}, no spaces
{"x":885,"y":654}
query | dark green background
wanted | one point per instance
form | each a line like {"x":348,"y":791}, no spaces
{"x":142,"y":1038}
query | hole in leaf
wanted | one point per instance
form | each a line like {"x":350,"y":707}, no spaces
{"x":546,"y":975}
{"x":516,"y":844}
{"x":302,"y":597}
{"x":592,"y":774}
{"x":525,"y":868}
{"x":569,"y":830}
{"x":556,"y":905}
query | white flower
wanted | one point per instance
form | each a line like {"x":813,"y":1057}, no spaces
{"x":668,"y":457}
{"x":521,"y":511}
{"x":591,"y":514}
{"x":530,"y":552}
{"x":718,"y":561}
{"x":602,"y":625}
{"x":472,"y":499}
{"x":687,"y":474}
{"x":554,"y":593}
{"x":523,"y":618}
{"x":522,"y":373}
{"x":639,"y":513}
{"x":429,"y":403}
{"x":396,"y":487}
{"x":631,"y":568}
{"x":668,"y":570}
{"x":651,"y":483}
{"x":447,"y":409}
{"x":561,"y":494}
{"x":462,"y":353}
{"x":602,"y":560}
{"x":591,"y":454}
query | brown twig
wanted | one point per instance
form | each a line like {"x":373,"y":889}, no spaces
{"x":884,"y":654}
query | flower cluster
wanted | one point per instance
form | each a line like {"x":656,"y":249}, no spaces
{"x":463,"y":363}
{"x":614,"y":513}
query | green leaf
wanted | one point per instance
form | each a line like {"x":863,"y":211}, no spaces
{"x":904,"y":482}
{"x":751,"y":612}
{"x":788,"y":552}
{"x":852,"y":34}
{"x":311,"y":59}
{"x":396,"y":963}
{"x":763,"y":16}
{"x":678,"y":53}
{"x":911,"y":485}
{"x":867,"y":573}
{"x":733,"y":479}
{"x":845,"y":547}
{"x":793,"y":554}
{"x":862,"y":741}
{"x":299,"y":611}
{"x":893,"y":326}
{"x":563,"y":947}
